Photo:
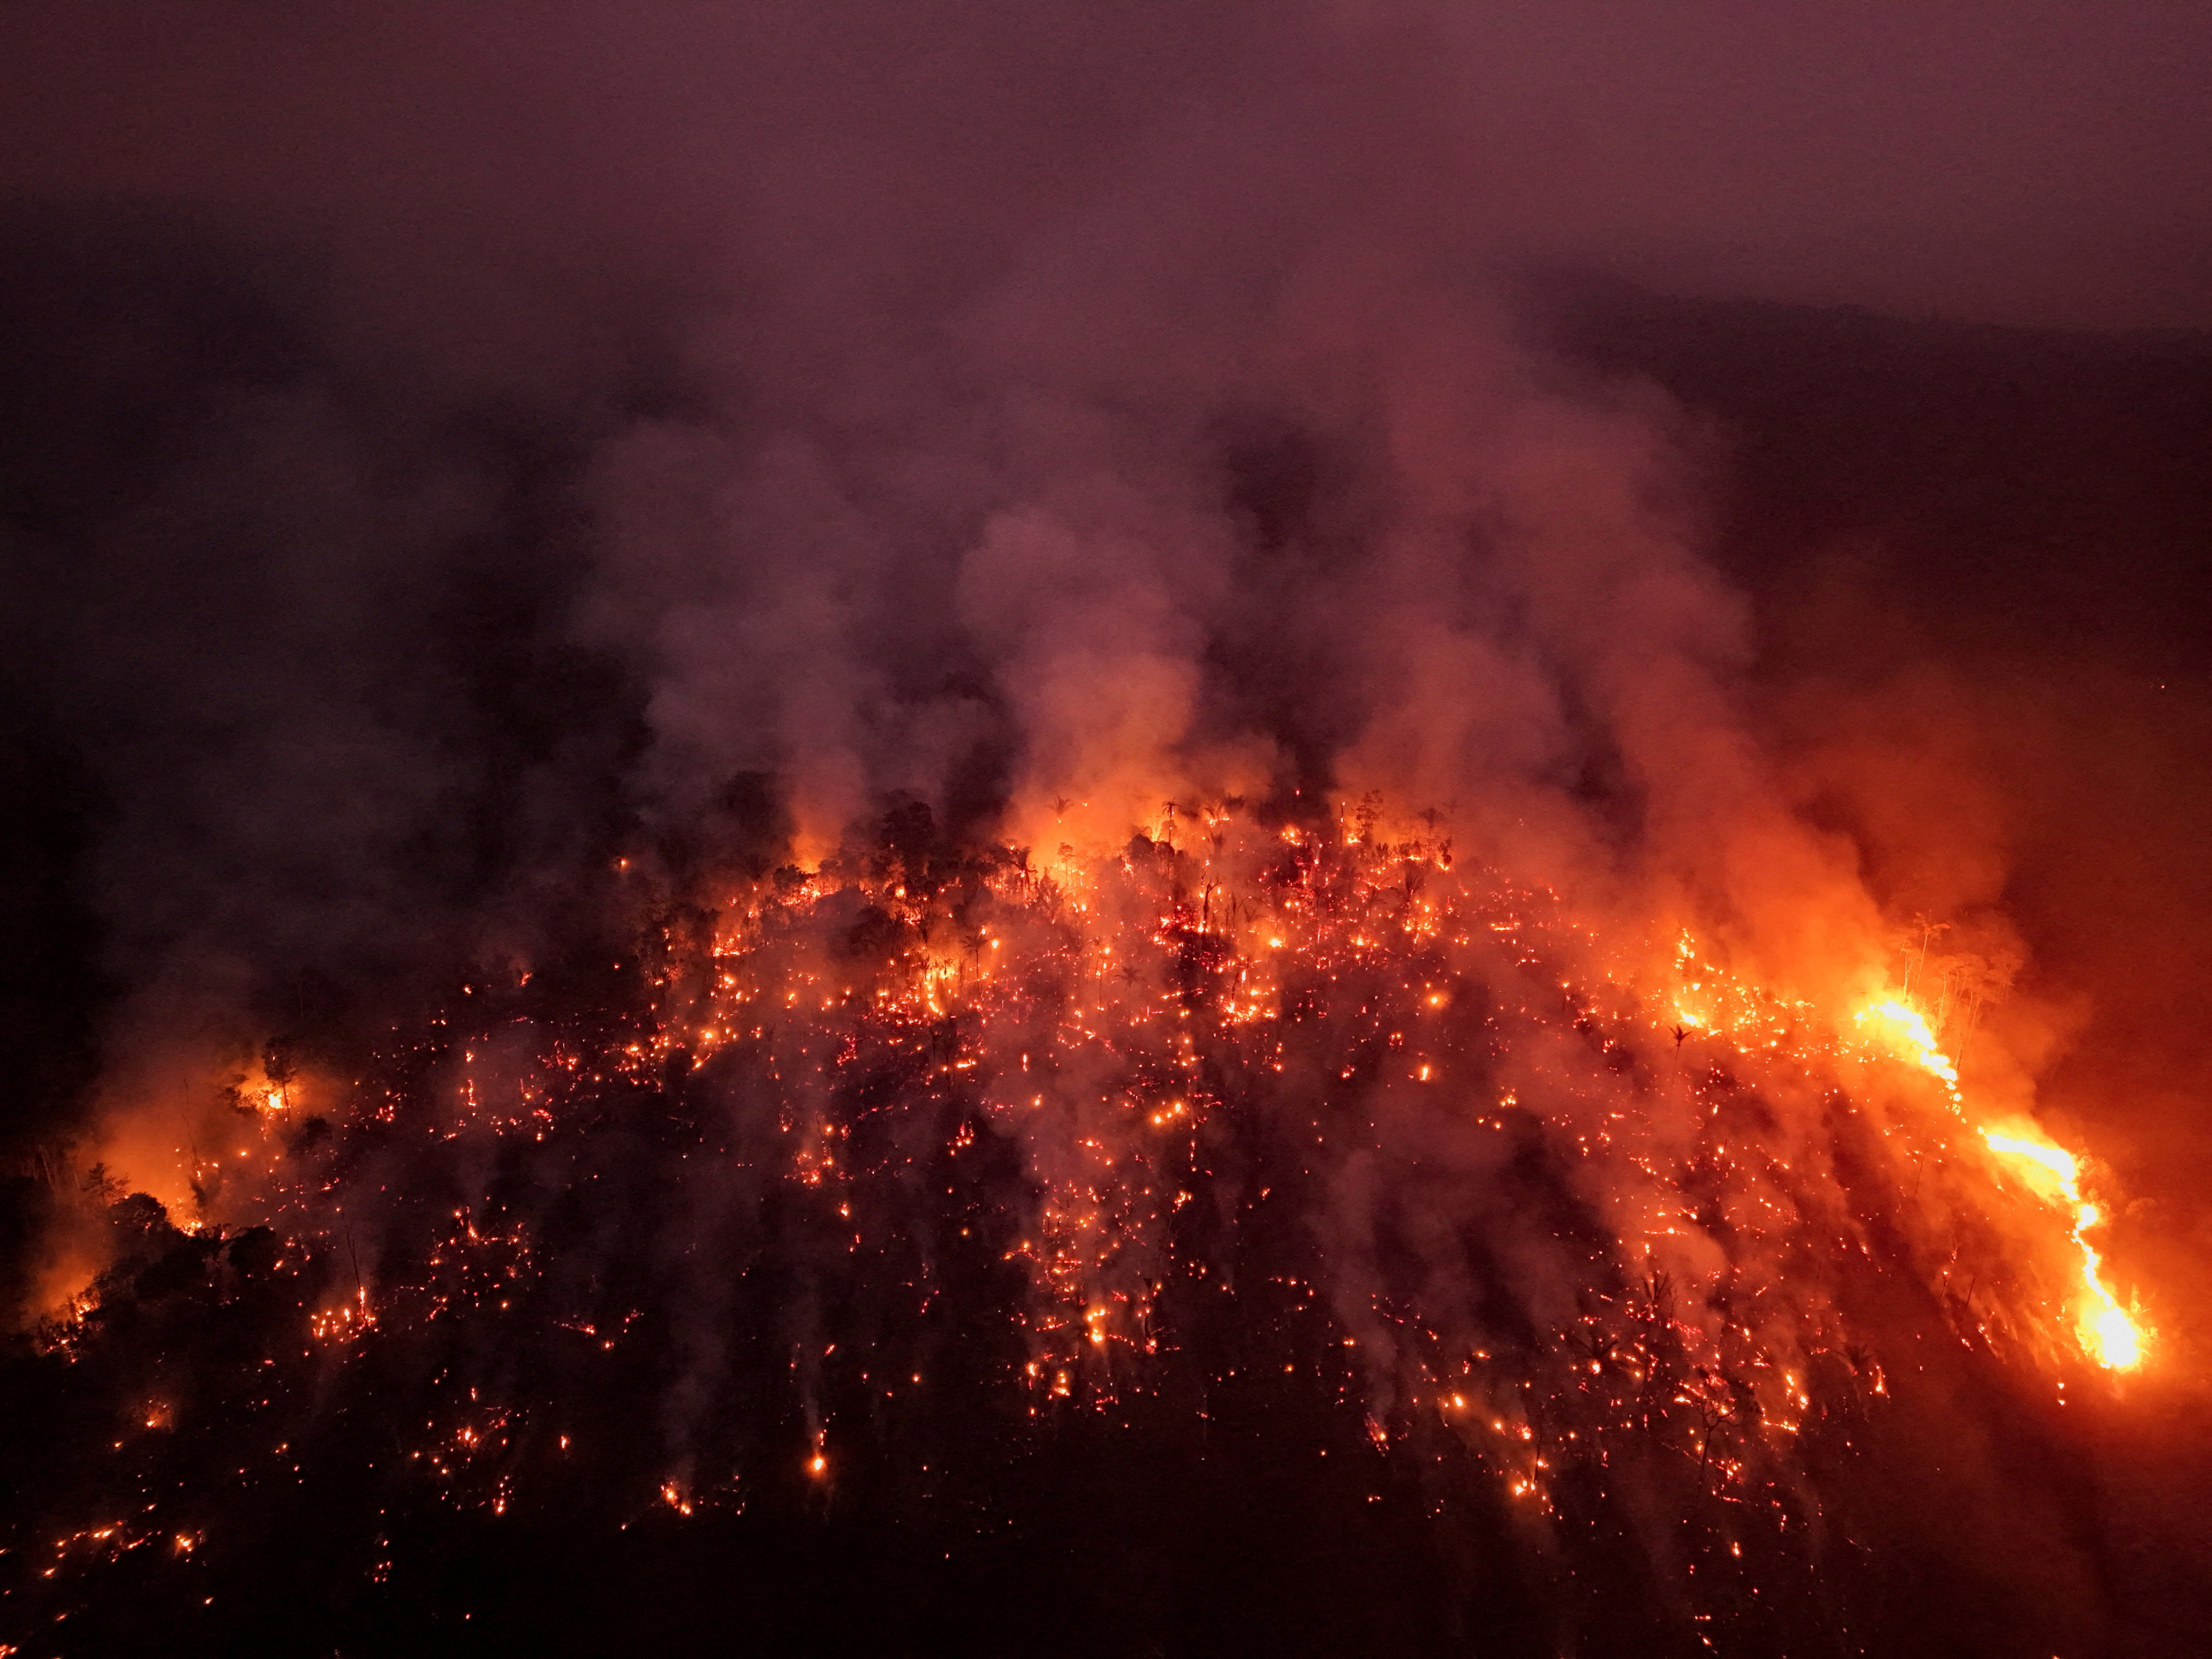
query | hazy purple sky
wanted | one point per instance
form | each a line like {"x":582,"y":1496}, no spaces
{"x":2029,"y":160}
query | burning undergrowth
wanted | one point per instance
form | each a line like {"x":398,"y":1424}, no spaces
{"x":949,"y":1202}
{"x":1165,"y":1185}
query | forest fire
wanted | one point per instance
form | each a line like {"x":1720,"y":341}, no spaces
{"x":2107,"y":1331}
{"x":1558,"y":1209}
{"x":1186,"y":831}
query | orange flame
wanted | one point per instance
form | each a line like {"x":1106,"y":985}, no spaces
{"x":2107,"y":1332}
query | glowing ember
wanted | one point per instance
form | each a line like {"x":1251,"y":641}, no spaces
{"x":1535,"y":1202}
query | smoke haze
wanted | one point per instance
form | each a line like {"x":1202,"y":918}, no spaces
{"x":478,"y":488}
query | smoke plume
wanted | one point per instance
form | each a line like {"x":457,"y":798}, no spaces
{"x":791,"y":761}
